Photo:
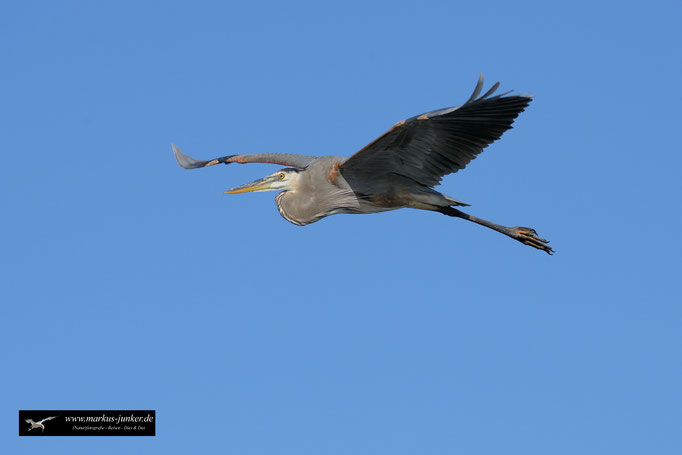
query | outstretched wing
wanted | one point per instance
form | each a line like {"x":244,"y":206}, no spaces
{"x":285,"y":159}
{"x":29,"y":421}
{"x":46,"y":419}
{"x":426,"y":147}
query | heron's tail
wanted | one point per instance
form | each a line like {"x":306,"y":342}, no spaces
{"x":455,"y":202}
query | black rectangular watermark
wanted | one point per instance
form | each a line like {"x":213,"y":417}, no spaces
{"x":87,"y":423}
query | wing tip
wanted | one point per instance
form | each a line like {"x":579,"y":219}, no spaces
{"x":495,"y":86}
{"x":186,"y":162}
{"x":477,"y":89}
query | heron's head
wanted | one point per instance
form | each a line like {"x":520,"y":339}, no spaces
{"x":282,"y":180}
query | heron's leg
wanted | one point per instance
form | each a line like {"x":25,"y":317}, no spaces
{"x":525,"y":235}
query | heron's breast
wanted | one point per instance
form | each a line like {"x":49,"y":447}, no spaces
{"x":299,"y":209}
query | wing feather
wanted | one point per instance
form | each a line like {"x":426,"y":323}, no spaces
{"x":477,"y":89}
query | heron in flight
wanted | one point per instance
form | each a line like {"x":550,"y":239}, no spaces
{"x":38,"y":424}
{"x":396,"y":170}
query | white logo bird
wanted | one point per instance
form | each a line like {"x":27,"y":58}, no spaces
{"x":38,"y":424}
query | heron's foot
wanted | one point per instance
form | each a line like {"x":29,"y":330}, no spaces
{"x":528,"y":236}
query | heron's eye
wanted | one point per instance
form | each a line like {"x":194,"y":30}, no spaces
{"x":281,"y":176}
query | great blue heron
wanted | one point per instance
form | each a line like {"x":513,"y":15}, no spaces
{"x":394,"y":171}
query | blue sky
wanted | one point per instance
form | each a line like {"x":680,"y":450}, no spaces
{"x":129,"y":283}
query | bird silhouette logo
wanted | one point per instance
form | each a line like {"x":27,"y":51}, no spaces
{"x":39,"y":424}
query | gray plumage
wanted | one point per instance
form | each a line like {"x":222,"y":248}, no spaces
{"x":396,"y":170}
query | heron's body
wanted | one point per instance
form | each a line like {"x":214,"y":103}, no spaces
{"x":321,"y":190}
{"x":396,"y":170}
